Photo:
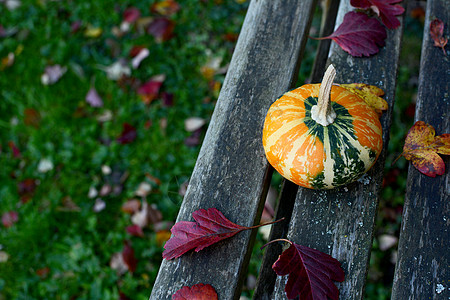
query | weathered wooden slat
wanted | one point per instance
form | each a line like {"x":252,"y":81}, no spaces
{"x":231,"y":173}
{"x":266,"y":279}
{"x":423,"y":265}
{"x":340,"y":222}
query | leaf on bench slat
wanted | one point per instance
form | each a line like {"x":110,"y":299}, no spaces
{"x":421,"y":148}
{"x":210,"y":227}
{"x":198,"y":291}
{"x":387,"y":10}
{"x":437,"y":34}
{"x":311,"y":272}
{"x":359,"y":35}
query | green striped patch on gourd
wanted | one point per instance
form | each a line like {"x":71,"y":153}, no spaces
{"x":334,"y":150}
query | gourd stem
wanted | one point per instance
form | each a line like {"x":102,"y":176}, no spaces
{"x":323,"y":113}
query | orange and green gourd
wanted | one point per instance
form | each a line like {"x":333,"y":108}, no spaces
{"x":322,"y":136}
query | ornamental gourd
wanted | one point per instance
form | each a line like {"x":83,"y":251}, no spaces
{"x":322,"y":136}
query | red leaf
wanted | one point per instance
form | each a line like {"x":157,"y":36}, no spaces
{"x":437,"y":34}
{"x":128,"y":257}
{"x":161,"y":29}
{"x":210,"y":227}
{"x":9,"y":218}
{"x":311,"y":273}
{"x":130,"y":15}
{"x":386,"y":9}
{"x":128,"y":134}
{"x":135,"y":230}
{"x":150,"y":90}
{"x":14,"y":149}
{"x":359,"y":35}
{"x":199,"y":291}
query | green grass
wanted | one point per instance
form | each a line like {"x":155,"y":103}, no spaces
{"x":60,"y":248}
{"x":76,"y":246}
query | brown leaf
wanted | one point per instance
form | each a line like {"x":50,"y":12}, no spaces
{"x":370,"y":94}
{"x":31,"y":117}
{"x":421,"y":148}
{"x":131,"y":206}
{"x":437,"y":34}
{"x":199,"y":291}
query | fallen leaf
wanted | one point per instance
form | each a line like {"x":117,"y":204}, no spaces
{"x":45,"y":165}
{"x":25,"y":189}
{"x":370,"y":94}
{"x":15,"y":151}
{"x":7,"y":61}
{"x":9,"y":218}
{"x":43,"y":272}
{"x":93,"y":98}
{"x":149,"y":214}
{"x":387,"y":241}
{"x":93,"y":32}
{"x":210,"y":227}
{"x":161,"y":29}
{"x":3,"y":256}
{"x":138,"y":58}
{"x":68,"y":205}
{"x":211,"y":67}
{"x":117,"y":263}
{"x":437,"y":34}
{"x":117,"y":70}
{"x":128,"y":257}
{"x":106,"y":170}
{"x":193,"y":123}
{"x":131,"y":15}
{"x":135,"y":230}
{"x":12,"y":4}
{"x":194,"y":139}
{"x":99,"y":205}
{"x":128,"y":134}
{"x":359,"y":35}
{"x":31,"y":117}
{"x":167,"y":99}
{"x":143,"y":189}
{"x":422,"y":147}
{"x":131,"y":206}
{"x":165,"y":7}
{"x":199,"y":291}
{"x":52,"y":74}
{"x":387,"y":10}
{"x":162,"y":236}
{"x":311,"y":272}
{"x":75,"y":26}
{"x":150,"y":89}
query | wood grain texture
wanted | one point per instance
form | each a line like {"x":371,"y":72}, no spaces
{"x":423,"y":265}
{"x":340,"y":222}
{"x":231,"y":173}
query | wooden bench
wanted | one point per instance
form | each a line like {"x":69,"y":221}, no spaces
{"x":232,"y":173}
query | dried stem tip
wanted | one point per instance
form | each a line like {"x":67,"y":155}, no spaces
{"x":323,"y":113}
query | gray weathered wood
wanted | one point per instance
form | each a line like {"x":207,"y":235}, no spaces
{"x":340,"y":222}
{"x":231,"y":173}
{"x":423,"y":265}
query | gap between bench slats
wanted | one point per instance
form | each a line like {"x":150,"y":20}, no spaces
{"x":423,"y":265}
{"x":231,"y":173}
{"x":340,"y":222}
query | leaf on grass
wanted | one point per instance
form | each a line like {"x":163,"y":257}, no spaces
{"x":135,"y":230}
{"x":370,"y":94}
{"x":52,"y":74}
{"x":128,"y":257}
{"x":139,"y":57}
{"x":150,"y":90}
{"x":165,"y":7}
{"x":359,"y":35}
{"x":311,"y":272}
{"x":387,"y":10}
{"x":9,"y":218}
{"x":422,"y":147}
{"x":15,"y":151}
{"x":93,"y":98}
{"x":131,"y":206}
{"x":210,"y":227}
{"x":198,"y":291}
{"x":128,"y":134}
{"x":161,"y":29}
{"x":31,"y":117}
{"x":437,"y":34}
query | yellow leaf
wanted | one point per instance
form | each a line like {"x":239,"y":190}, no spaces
{"x":370,"y":93}
{"x":93,"y":32}
{"x":421,"y":148}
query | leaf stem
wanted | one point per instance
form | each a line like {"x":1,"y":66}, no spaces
{"x":260,"y":225}
{"x":323,"y":113}
{"x":277,"y":240}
